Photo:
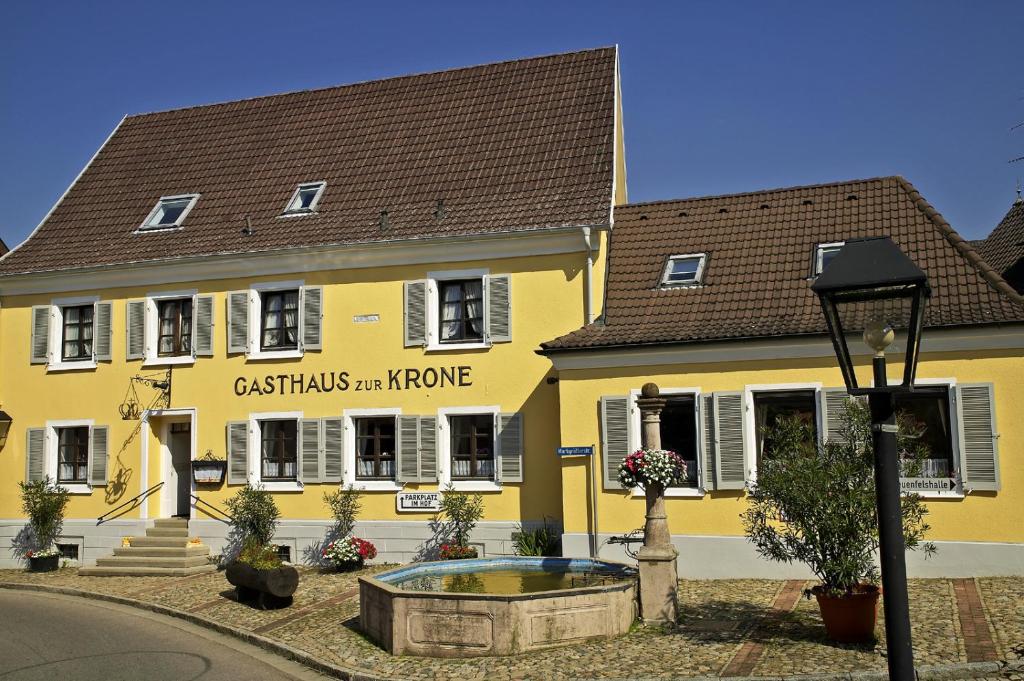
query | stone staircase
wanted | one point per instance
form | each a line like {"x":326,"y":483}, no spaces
{"x":164,"y":551}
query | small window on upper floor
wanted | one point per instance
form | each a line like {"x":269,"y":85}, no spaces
{"x":170,"y":211}
{"x":305,"y":198}
{"x":823,"y":254}
{"x":684,"y":270}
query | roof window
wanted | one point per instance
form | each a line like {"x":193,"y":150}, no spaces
{"x":684,"y":270}
{"x":823,"y":254}
{"x":305,"y":198}
{"x":169,"y":212}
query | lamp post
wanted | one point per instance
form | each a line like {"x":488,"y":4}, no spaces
{"x":873,"y":288}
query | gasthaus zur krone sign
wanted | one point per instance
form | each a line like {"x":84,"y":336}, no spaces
{"x":343,"y":381}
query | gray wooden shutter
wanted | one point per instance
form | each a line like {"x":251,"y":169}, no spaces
{"x":831,"y":403}
{"x":40,"y":352}
{"x":979,"y":450}
{"x":499,"y":308}
{"x":102,"y":335}
{"x":238,"y":321}
{"x":309,"y":451}
{"x":730,"y":449}
{"x":706,"y":421}
{"x":238,"y":452}
{"x":333,"y":434}
{"x":202,"y":326}
{"x":312,"y":316}
{"x":510,"y":447}
{"x":614,"y":437}
{"x":408,"y":449}
{"x":135,"y":329}
{"x":98,"y":455}
{"x":415,"y":313}
{"x":428,"y":449}
{"x":35,"y":454}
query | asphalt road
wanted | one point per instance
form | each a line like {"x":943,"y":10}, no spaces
{"x":53,"y":637}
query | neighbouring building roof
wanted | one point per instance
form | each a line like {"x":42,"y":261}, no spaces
{"x":1004,"y":247}
{"x":3,"y":247}
{"x":760,"y":248}
{"x":513,"y":146}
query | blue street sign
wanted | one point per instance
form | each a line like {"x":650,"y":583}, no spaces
{"x":575,"y":451}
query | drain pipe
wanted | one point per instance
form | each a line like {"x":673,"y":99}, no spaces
{"x":588,"y":283}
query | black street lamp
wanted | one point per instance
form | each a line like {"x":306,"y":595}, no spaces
{"x":5,"y":427}
{"x":872,"y":288}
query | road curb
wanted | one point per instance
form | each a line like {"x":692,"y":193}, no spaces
{"x":965,"y":670}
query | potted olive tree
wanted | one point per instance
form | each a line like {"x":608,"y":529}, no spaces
{"x":458,"y":515}
{"x":257,"y":572}
{"x":44,"y":503}
{"x":816,"y":505}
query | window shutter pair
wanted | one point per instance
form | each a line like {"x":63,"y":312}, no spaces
{"x":310,"y":322}
{"x":417,"y":448}
{"x":722,"y":439}
{"x":320,"y":450}
{"x":202,"y":328}
{"x":102,"y":332}
{"x":497,"y":311}
{"x":510,"y":447}
{"x":35,"y":455}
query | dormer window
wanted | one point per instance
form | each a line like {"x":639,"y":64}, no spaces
{"x":170,"y":212}
{"x":823,"y":255}
{"x":684,"y":270}
{"x":305,"y":198}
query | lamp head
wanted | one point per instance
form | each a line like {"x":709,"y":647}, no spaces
{"x":878,"y":335}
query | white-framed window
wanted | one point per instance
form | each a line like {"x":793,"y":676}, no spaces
{"x":71,"y":333}
{"x":455,"y":310}
{"x":680,"y":432}
{"x":764,"y":404}
{"x":274,"y":445}
{"x":69,"y":453}
{"x":371,"y":446}
{"x":170,"y":327}
{"x":305,"y":199}
{"x":169,"y":212}
{"x":684,"y":270}
{"x":823,"y":254}
{"x":274,"y":320}
{"x":467,"y":448}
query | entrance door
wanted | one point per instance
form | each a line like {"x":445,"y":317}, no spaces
{"x":181,"y":460}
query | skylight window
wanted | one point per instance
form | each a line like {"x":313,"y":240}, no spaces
{"x":823,"y":255}
{"x":684,"y":270}
{"x":170,"y":211}
{"x":305,"y":198}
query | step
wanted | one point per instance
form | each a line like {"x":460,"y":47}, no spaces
{"x":150,"y":561}
{"x":171,"y":522}
{"x":167,"y":532}
{"x":164,"y":551}
{"x":179,"y":542}
{"x":110,"y":571}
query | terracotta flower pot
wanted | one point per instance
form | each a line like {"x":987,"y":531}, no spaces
{"x":43,"y":563}
{"x":849,"y":618}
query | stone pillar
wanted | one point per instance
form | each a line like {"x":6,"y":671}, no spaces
{"x":657,"y":558}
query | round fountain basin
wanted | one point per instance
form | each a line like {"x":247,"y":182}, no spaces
{"x":496,"y":606}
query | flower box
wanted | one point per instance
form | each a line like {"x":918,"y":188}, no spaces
{"x":44,"y":563}
{"x":209,"y":471}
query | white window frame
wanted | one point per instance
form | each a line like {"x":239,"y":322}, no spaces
{"x":750,"y":420}
{"x":819,"y":254}
{"x":444,"y":449}
{"x":636,"y":440}
{"x":350,"y":416}
{"x":434,"y":343}
{"x":256,"y":319}
{"x":56,"y":341}
{"x":698,"y":277}
{"x":152,"y":320}
{"x":290,"y":212}
{"x":50,"y":447}
{"x":256,"y":449}
{"x":146,"y":227}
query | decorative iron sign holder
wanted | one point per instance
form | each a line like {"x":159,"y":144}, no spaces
{"x":131,"y":409}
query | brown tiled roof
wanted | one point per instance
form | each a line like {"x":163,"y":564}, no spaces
{"x":511,"y":146}
{"x":1004,"y":247}
{"x":758,"y":274}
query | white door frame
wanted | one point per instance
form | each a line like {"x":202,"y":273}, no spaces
{"x":168,"y":500}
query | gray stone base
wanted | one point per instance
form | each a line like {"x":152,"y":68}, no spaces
{"x":702,"y":557}
{"x":94,"y":541}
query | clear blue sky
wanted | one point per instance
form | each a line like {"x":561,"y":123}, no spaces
{"x":718,"y":97}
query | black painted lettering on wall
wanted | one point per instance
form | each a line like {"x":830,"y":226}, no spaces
{"x":326,"y":382}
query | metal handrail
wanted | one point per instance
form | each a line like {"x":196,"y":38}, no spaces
{"x":134,"y":501}
{"x":206,"y":503}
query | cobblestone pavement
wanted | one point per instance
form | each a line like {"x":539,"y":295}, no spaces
{"x":755,"y":627}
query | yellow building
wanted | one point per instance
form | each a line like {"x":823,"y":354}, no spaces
{"x":402,"y":284}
